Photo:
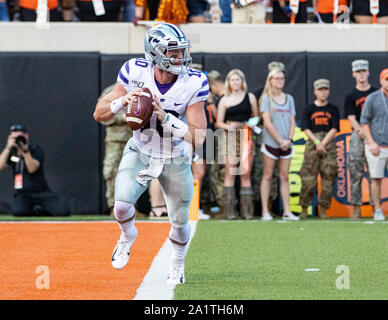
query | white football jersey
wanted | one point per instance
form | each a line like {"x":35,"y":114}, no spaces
{"x":189,"y":88}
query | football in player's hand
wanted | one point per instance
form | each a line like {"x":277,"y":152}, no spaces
{"x":139,"y":113}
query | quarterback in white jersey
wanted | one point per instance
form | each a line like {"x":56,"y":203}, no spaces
{"x":189,"y":88}
{"x":161,"y":149}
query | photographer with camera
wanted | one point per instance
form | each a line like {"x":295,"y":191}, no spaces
{"x":31,"y":190}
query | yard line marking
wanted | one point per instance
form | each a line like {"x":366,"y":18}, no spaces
{"x":154,"y":286}
{"x":312,"y":269}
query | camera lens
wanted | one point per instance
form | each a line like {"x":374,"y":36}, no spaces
{"x":20,"y":140}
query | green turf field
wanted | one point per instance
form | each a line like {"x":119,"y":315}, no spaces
{"x":267,"y":260}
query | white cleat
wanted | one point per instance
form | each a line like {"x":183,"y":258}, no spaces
{"x":176,"y":274}
{"x":290,"y":216}
{"x":121,"y":252}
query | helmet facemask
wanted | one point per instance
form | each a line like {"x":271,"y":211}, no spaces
{"x":172,"y":64}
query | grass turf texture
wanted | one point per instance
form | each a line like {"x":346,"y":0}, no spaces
{"x":267,"y":260}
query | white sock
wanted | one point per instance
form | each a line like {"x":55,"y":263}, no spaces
{"x":179,"y":238}
{"x":124,"y":213}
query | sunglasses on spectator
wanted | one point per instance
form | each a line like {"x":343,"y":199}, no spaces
{"x":17,"y":127}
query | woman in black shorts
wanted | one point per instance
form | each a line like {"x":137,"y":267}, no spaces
{"x":234,"y":110}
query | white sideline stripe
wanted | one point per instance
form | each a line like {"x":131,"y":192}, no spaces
{"x":154,"y":286}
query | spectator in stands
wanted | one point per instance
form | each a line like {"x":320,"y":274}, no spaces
{"x":68,"y":7}
{"x":28,"y":10}
{"x":217,"y":169}
{"x":374,"y":121}
{"x":282,"y":13}
{"x":320,"y":123}
{"x":3,"y":11}
{"x":362,"y":12}
{"x":278,"y":112}
{"x":171,"y":11}
{"x":217,"y":86}
{"x":226,"y":11}
{"x":235,"y":108}
{"x":87,"y":11}
{"x":354,"y":102}
{"x":251,"y":11}
{"x":31,"y":189}
{"x":324,"y":10}
{"x":197,"y":10}
{"x":129,"y":10}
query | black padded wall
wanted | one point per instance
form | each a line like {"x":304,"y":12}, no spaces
{"x":54,"y":95}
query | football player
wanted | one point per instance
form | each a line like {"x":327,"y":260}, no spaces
{"x":162,"y":148}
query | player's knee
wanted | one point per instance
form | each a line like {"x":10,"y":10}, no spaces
{"x":181,"y":234}
{"x":179,"y":217}
{"x":123,"y":210}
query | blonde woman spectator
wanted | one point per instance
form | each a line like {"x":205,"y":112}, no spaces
{"x":234,"y":109}
{"x":278,"y":111}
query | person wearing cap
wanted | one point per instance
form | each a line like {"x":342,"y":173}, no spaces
{"x":374,"y":122}
{"x":354,"y":102}
{"x":320,"y":123}
{"x":31,"y":189}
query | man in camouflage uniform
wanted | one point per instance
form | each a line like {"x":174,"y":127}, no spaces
{"x":320,"y":123}
{"x":257,"y":165}
{"x":354,"y":103}
{"x":214,"y":178}
{"x":117,"y":135}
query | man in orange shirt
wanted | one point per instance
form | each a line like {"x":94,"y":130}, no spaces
{"x":28,"y":10}
{"x":324,"y":10}
{"x":281,"y":12}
